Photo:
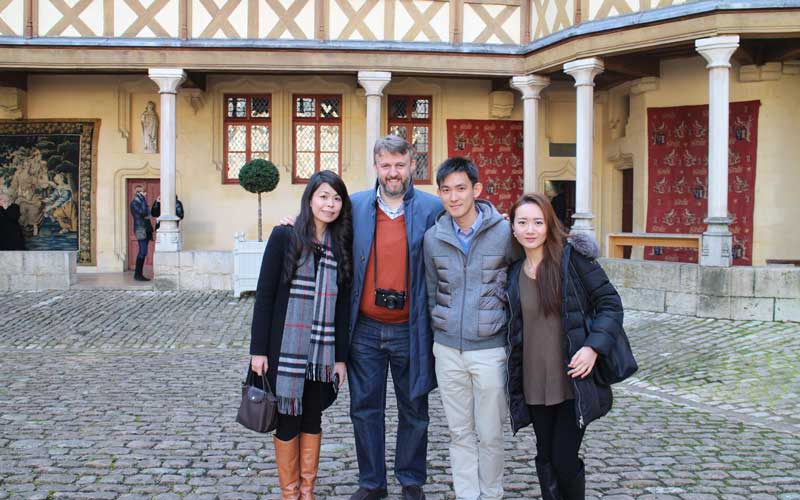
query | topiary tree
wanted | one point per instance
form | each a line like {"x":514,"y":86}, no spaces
{"x":259,"y":176}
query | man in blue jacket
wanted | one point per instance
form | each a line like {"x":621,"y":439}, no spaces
{"x":389,"y":326}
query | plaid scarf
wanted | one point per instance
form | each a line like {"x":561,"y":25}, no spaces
{"x":308,"y":344}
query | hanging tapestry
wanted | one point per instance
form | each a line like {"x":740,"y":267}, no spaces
{"x":47,"y":167}
{"x":677,"y":200}
{"x":496,"y":148}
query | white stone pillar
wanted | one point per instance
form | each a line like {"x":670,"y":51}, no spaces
{"x":373,"y":82}
{"x":717,"y":240}
{"x":168,"y":80}
{"x":584,"y":71}
{"x":531,"y":87}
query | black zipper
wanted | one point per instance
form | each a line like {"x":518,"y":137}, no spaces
{"x":581,"y":424}
{"x":508,"y":360}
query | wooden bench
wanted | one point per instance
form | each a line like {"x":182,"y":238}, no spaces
{"x":783,"y":262}
{"x":617,"y":241}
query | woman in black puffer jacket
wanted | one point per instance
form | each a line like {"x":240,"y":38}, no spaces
{"x":564,"y":314}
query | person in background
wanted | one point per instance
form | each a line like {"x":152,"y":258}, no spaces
{"x":142,"y":229}
{"x":11,"y":236}
{"x":155,"y":210}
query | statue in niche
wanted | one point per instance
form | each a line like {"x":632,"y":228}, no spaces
{"x":150,"y":128}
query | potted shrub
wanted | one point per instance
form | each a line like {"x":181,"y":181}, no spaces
{"x":257,"y":176}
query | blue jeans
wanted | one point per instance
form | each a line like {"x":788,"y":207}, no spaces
{"x":142,"y":248}
{"x":375,"y":347}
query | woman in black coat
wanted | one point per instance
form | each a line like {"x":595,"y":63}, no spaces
{"x":554,"y":345}
{"x":300,"y":319}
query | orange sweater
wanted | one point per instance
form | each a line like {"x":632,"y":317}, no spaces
{"x":392,"y":246}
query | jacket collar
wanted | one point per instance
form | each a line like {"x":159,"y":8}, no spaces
{"x":444,"y":222}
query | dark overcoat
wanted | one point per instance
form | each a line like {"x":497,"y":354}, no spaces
{"x":589,"y":302}
{"x":142,"y":228}
{"x":269,"y":311}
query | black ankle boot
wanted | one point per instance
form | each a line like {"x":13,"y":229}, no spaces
{"x":576,"y":489}
{"x":137,"y":274}
{"x":547,"y":480}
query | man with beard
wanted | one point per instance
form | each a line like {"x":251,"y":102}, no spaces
{"x":389,"y":326}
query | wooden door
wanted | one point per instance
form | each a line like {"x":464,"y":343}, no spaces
{"x":627,"y":206}
{"x":153,"y":189}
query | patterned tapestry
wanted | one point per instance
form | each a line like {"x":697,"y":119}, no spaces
{"x":678,"y":176}
{"x":48,"y":169}
{"x":496,"y":148}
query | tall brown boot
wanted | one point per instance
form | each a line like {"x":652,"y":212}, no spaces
{"x":287,"y":457}
{"x":309,"y":463}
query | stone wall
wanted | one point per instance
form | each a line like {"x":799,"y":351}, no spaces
{"x":35,"y":270}
{"x":741,"y":293}
{"x":193,"y":270}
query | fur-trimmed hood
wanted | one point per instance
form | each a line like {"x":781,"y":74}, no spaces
{"x":584,"y":244}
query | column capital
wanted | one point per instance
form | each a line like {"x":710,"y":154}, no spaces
{"x":530,"y":86}
{"x":167,"y":79}
{"x":584,"y":70}
{"x":717,"y":50}
{"x":374,"y":81}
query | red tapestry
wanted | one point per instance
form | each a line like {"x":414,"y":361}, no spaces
{"x":678,"y":176}
{"x":496,"y":148}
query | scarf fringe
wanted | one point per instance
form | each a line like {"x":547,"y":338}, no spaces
{"x":319,"y":373}
{"x":290,"y":406}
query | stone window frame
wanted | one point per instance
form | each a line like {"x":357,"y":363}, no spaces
{"x":318,"y":121}
{"x":413,"y":122}
{"x":248,"y":122}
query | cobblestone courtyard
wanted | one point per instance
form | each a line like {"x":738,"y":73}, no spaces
{"x":132,"y":394}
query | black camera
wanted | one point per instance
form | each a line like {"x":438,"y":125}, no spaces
{"x":390,"y":299}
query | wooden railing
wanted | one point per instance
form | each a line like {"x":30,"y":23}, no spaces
{"x":617,"y":241}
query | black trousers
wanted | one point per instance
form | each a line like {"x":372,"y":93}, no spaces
{"x":558,"y":438}
{"x":310,"y":422}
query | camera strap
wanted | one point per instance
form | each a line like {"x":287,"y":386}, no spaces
{"x":375,"y":254}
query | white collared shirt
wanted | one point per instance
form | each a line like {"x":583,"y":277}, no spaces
{"x":392,"y":213}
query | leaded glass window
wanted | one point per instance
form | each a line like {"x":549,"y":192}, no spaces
{"x":247,"y":132}
{"x":410,"y":118}
{"x":317,"y":132}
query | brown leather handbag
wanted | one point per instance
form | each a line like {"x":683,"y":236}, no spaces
{"x":258,"y":410}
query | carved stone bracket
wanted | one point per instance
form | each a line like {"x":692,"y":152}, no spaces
{"x":646,"y":84}
{"x":501,"y":103}
{"x":12,"y":103}
{"x":766,"y":72}
{"x":621,"y":161}
{"x":195,"y":97}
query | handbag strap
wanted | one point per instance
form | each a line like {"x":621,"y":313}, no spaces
{"x":264,"y":379}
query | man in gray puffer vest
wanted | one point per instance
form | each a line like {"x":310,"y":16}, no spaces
{"x":467,"y":253}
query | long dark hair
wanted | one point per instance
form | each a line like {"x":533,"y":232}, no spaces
{"x":340,"y":230}
{"x":548,"y":274}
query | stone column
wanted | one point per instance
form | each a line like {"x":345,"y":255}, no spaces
{"x":717,"y":240}
{"x":531,"y":87}
{"x":584,"y":71}
{"x":373,"y":83}
{"x":168,"y":81}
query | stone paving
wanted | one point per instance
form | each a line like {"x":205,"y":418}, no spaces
{"x":132,"y":394}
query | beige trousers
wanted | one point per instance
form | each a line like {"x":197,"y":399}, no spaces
{"x":472,"y":387}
